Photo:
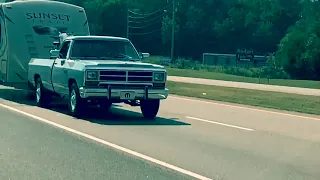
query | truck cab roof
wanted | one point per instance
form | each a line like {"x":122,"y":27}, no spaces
{"x":96,"y":38}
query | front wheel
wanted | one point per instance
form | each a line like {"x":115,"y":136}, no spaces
{"x":76,"y":104}
{"x":150,"y":108}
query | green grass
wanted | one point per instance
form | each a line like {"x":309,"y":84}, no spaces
{"x":275,"y":100}
{"x":228,"y":77}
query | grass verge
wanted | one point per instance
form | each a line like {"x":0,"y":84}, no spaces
{"x":228,"y":77}
{"x":275,"y":100}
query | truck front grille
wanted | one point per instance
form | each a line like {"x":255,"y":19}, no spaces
{"x":126,"y":76}
{"x":124,"y":86}
{"x":95,"y":84}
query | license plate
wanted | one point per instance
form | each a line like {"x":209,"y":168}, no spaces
{"x":127,"y":95}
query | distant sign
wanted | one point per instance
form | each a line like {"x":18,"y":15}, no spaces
{"x":244,"y":55}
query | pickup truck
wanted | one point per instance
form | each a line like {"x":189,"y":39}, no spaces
{"x":98,"y":69}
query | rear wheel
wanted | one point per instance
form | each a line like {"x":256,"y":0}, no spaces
{"x":76,"y":104}
{"x":150,"y":108}
{"x":42,"y":97}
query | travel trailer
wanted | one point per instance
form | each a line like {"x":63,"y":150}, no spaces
{"x":28,"y":29}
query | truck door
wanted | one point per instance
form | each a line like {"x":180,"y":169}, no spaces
{"x":59,"y":71}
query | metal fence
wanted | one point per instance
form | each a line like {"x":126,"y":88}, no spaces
{"x":213,"y":59}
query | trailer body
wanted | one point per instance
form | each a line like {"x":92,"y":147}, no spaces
{"x":28,"y":30}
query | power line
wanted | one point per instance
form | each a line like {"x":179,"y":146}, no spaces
{"x":148,"y":14}
{"x":142,"y":27}
{"x":141,"y":34}
{"x":136,"y":17}
{"x":146,"y":21}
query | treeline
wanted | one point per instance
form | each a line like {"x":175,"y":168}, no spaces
{"x":288,"y":28}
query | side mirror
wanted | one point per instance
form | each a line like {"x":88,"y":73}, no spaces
{"x":54,"y":54}
{"x":144,"y":55}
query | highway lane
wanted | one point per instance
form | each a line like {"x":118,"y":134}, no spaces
{"x":297,"y":125}
{"x":32,"y":150}
{"x":243,"y":85}
{"x":272,"y":145}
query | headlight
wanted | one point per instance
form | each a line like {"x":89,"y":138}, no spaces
{"x":92,"y":75}
{"x":158,"y":76}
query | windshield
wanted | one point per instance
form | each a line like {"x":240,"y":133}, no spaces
{"x":104,"y":49}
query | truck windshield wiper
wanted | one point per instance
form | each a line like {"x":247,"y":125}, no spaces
{"x":122,"y":56}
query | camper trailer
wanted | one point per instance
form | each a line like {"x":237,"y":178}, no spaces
{"x":28,"y":29}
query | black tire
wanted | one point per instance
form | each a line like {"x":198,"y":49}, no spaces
{"x":76,"y":103}
{"x":42,"y":96}
{"x":105,"y":106}
{"x":150,"y":108}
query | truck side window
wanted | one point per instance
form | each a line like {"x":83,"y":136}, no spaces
{"x":64,"y":49}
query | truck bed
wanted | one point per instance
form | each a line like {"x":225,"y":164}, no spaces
{"x":43,"y":68}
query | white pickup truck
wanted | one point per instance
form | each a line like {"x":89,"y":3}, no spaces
{"x":98,"y":69}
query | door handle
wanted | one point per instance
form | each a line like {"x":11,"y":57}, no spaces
{"x":55,"y":63}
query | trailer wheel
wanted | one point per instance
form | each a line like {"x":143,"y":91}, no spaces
{"x":76,"y":103}
{"x":42,"y":96}
{"x":150,"y":108}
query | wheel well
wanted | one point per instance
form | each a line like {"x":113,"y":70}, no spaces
{"x":70,"y":82}
{"x":36,"y":76}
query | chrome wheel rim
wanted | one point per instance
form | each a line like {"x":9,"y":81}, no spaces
{"x":38,"y":93}
{"x":73,"y":100}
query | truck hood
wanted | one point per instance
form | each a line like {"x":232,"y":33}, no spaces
{"x":118,"y":64}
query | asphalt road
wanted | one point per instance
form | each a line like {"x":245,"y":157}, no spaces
{"x":218,"y":141}
{"x":32,"y":150}
{"x":243,"y":85}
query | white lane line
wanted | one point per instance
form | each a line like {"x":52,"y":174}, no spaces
{"x":164,"y":164}
{"x":222,"y":124}
{"x":245,"y":108}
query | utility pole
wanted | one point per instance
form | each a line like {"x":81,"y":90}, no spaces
{"x":173,"y":29}
{"x":127,"y":31}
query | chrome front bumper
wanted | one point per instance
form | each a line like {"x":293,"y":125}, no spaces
{"x":139,"y":94}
